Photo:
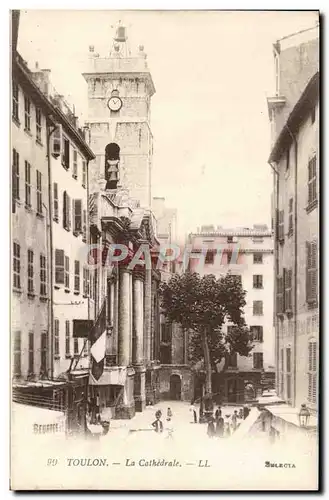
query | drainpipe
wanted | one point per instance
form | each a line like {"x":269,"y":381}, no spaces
{"x":50,"y":256}
{"x":295,"y":261}
{"x":276,"y":186}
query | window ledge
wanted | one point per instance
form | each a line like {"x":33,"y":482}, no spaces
{"x":43,"y":298}
{"x":56,"y":219}
{"x":56,"y":356}
{"x":31,"y":295}
{"x":57,"y":287}
{"x":65,"y":166}
{"x":289,"y":312}
{"x":40,"y":215}
{"x":290,"y":233}
{"x":258,"y":314}
{"x":74,"y":176}
{"x":16,"y":120}
{"x":28,"y":131}
{"x":85,"y":296}
{"x":38,"y":141}
{"x":66,"y":290}
{"x":18,"y":291}
{"x":76,"y":233}
{"x":258,"y":288}
{"x":84,"y":185}
{"x":311,"y":206}
{"x":28,"y":208}
{"x":67,"y":229}
{"x":281,"y":241}
{"x":76,"y":292}
{"x":68,"y":356}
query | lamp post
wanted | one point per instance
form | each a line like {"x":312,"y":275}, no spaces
{"x":304,"y":416}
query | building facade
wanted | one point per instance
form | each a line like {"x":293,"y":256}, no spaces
{"x":249,"y":254}
{"x":30,"y":219}
{"x":295,"y":164}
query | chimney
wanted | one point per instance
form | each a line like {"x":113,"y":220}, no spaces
{"x":41,"y":78}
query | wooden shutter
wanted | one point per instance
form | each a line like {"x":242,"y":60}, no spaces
{"x":311,"y":272}
{"x":59,"y":266}
{"x":77,"y":205}
{"x":84,"y":228}
{"x":56,"y":201}
{"x":57,"y":141}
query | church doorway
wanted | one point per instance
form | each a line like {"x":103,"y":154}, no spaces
{"x":175,"y":388}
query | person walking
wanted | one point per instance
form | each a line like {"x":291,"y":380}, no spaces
{"x":157,"y":424}
{"x":193,"y":410}
{"x":234,"y":420}
{"x":169,"y":414}
{"x":218,"y":413}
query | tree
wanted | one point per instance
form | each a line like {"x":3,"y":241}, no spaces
{"x":201,"y":305}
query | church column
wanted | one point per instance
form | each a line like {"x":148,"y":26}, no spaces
{"x":138,"y":317}
{"x":124,"y":316}
{"x":147,"y":315}
{"x":138,"y":333}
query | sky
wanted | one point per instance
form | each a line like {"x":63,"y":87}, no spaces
{"x":212,"y":70}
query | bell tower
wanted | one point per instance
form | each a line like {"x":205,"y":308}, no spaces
{"x":120,"y":88}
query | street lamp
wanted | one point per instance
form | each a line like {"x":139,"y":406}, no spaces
{"x":304,"y":416}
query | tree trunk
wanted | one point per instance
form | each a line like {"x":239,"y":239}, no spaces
{"x":208,"y":370}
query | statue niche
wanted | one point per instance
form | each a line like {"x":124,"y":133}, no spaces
{"x":112,"y":160}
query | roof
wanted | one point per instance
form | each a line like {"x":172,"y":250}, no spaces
{"x":301,"y":110}
{"x":55,"y":115}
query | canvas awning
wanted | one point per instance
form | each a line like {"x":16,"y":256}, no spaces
{"x":114,"y":375}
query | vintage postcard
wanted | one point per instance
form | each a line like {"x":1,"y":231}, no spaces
{"x":164,"y":250}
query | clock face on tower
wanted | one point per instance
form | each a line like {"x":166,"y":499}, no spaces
{"x":114,"y":103}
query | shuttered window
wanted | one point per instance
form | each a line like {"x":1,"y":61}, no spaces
{"x":257,"y":333}
{"x":59,"y":267}
{"x":67,"y":271}
{"x":287,"y":273}
{"x":290,"y":217}
{"x":31,"y":353}
{"x":39,"y":192}
{"x":257,"y":307}
{"x":312,"y":371}
{"x":311,"y":273}
{"x":15,"y":110}
{"x":43,"y":276}
{"x":84,"y":226}
{"x":55,"y":202}
{"x":56,"y":337}
{"x":279,"y":295}
{"x":27,"y":113}
{"x":16,"y":266}
{"x":15,"y":186}
{"x":38,"y":123}
{"x":75,"y":164}
{"x":77,"y":216}
{"x":27,"y":184}
{"x":76,"y":276}
{"x":67,"y":339}
{"x":66,"y":153}
{"x":66,"y":211}
{"x":43,"y":353}
{"x":84,"y":174}
{"x":30,"y":272}
{"x":258,"y":281}
{"x":312,"y":194}
{"x":281,"y":225}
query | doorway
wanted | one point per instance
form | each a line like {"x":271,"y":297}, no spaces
{"x":175,"y":388}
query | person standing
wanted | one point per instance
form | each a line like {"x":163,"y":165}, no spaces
{"x":157,"y":424}
{"x":220,"y":425}
{"x":193,"y":410}
{"x":211,"y":427}
{"x":169,"y":414}
{"x":218,"y":413}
